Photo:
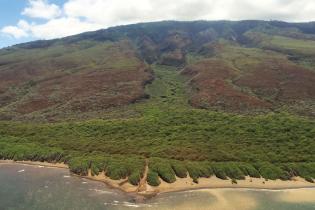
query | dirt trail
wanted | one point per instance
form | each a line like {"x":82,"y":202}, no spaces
{"x":143,"y":182}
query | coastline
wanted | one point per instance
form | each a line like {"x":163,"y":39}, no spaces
{"x":181,"y":184}
{"x":36,"y":163}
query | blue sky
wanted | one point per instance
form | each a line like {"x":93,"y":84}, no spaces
{"x":26,"y":20}
{"x":10,"y":14}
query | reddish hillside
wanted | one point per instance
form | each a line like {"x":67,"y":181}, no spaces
{"x":241,"y":66}
{"x":75,"y":81}
{"x":211,"y":88}
{"x":268,"y":84}
{"x":280,"y":81}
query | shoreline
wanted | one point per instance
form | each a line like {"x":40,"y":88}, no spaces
{"x":144,"y":191}
{"x":36,"y":163}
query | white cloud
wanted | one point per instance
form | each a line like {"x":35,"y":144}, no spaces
{"x":62,"y":27}
{"x":19,"y":31}
{"x":76,"y":16}
{"x":14,"y":31}
{"x":22,"y":24}
{"x":108,"y":12}
{"x":41,"y":9}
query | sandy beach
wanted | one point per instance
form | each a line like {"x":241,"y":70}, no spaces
{"x":251,"y":183}
{"x":183,"y":184}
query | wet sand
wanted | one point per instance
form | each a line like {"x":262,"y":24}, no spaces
{"x":224,"y":202}
{"x":236,"y":199}
{"x":297,"y":196}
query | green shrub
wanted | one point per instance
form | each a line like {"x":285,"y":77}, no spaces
{"x":228,"y":169}
{"x":94,"y":170}
{"x":118,"y":167}
{"x":309,"y":179}
{"x":270,"y":171}
{"x":116,"y":170}
{"x":234,"y":181}
{"x":194,"y":172}
{"x":98,"y":164}
{"x":179,"y":169}
{"x":134,"y":178}
{"x":79,"y":165}
{"x":163,"y":168}
{"x":233,"y":171}
{"x":219,"y":171}
{"x":248,"y":170}
{"x":153,"y":178}
{"x":300,"y":169}
{"x":199,"y":169}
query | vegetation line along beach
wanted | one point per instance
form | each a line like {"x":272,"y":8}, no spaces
{"x":181,"y":184}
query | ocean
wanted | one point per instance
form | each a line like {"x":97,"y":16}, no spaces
{"x":34,"y":187}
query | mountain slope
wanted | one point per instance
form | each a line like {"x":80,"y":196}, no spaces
{"x":63,"y":79}
{"x":269,"y":67}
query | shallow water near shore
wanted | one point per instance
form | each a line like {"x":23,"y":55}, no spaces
{"x":35,"y":187}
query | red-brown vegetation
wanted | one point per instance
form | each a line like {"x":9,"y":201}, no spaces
{"x":68,"y":84}
{"x":211,"y":88}
{"x":280,"y":80}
